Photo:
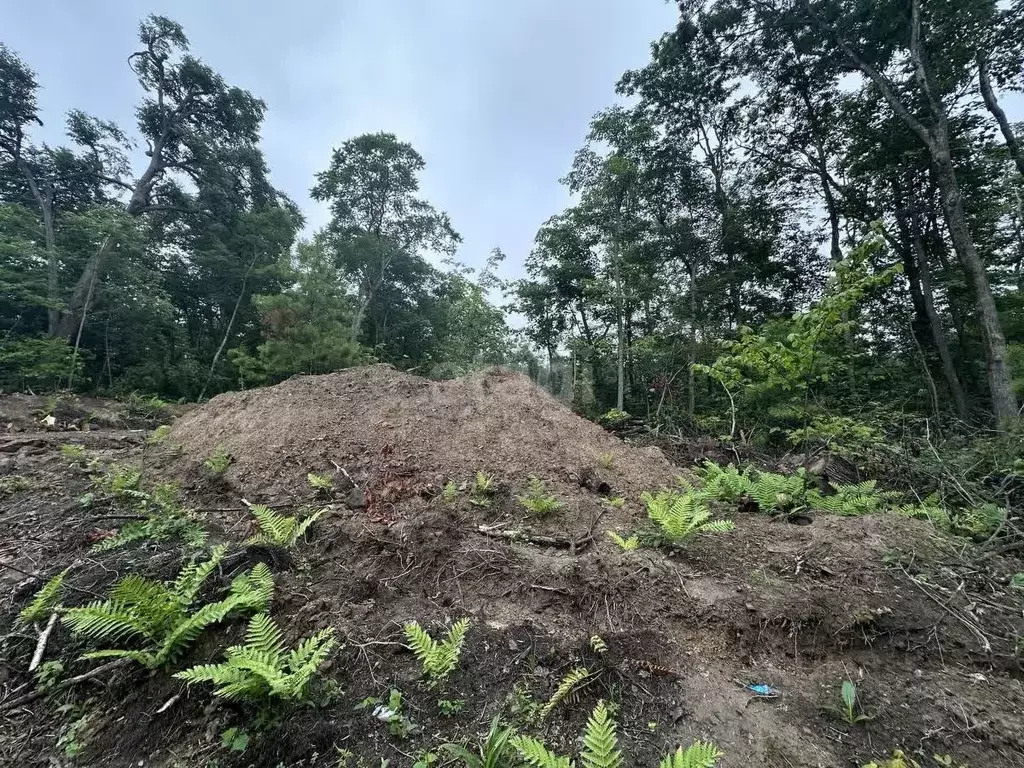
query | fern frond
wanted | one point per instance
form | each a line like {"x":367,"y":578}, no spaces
{"x":536,"y":755}
{"x":185,"y":632}
{"x":718,"y":526}
{"x":301,"y":528}
{"x":263,"y":635}
{"x":600,"y":741}
{"x":106,"y":620}
{"x":255,"y":588}
{"x":195,"y":574}
{"x":626,"y":545}
{"x":598,"y":644}
{"x":451,"y":646}
{"x":700,"y":754}
{"x":420,"y":642}
{"x":144,"y":658}
{"x":572,"y":679}
{"x":45,"y":602}
{"x":273,"y":527}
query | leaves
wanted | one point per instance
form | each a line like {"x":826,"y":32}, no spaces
{"x":438,"y":659}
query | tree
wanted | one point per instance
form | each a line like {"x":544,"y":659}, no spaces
{"x":378,"y":225}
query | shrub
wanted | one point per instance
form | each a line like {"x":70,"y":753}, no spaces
{"x":29,"y":363}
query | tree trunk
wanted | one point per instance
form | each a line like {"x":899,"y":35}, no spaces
{"x":44,"y":199}
{"x":621,"y":372}
{"x":231,"y":322}
{"x":692,"y":354}
{"x":1012,"y":145}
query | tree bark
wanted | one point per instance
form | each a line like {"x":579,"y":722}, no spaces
{"x":936,"y":138}
{"x":985,"y":81}
{"x":231,"y":322}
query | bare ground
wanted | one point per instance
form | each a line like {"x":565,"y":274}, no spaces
{"x":925,"y":625}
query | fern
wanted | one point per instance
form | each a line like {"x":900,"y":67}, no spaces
{"x":536,"y":755}
{"x":46,"y":601}
{"x":492,"y":752}
{"x":600,"y":741}
{"x":537,"y":500}
{"x":160,"y":615}
{"x":165,"y":518}
{"x":700,"y":754}
{"x":723,"y":483}
{"x":572,"y":680}
{"x":279,"y":530}
{"x":597,"y":644}
{"x":772,"y":491}
{"x":682,"y":515}
{"x":320,"y":482}
{"x":438,"y":659}
{"x":626,"y":545}
{"x":851,"y":500}
{"x":262,"y":668}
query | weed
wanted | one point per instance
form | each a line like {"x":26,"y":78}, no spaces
{"x":145,"y":407}
{"x":163,"y":516}
{"x":48,"y":674}
{"x":320,"y":483}
{"x":451,"y":707}
{"x":279,"y":530}
{"x":626,"y":545}
{"x":450,"y":492}
{"x":613,"y":417}
{"x":391,"y":713}
{"x":521,"y":706}
{"x":262,"y":668}
{"x":616,"y":502}
{"x":218,"y":461}
{"x":483,"y":487}
{"x":73,"y":453}
{"x":426,"y":759}
{"x":606,"y":460}
{"x":13,"y":484}
{"x":158,"y":435}
{"x":680,"y":516}
{"x":437,"y":659}
{"x":849,"y":709}
{"x":162,"y":615}
{"x":597,"y":644}
{"x":493,"y":752}
{"x":537,"y":500}
{"x":235,"y":739}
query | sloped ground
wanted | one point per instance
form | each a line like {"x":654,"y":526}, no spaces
{"x":926,"y":626}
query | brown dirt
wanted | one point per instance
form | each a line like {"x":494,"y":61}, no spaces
{"x":925,"y":625}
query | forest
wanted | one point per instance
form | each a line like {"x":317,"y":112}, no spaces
{"x":769,"y":156}
{"x":727,"y":470}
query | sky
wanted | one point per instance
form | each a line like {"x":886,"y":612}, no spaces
{"x":496,"y":96}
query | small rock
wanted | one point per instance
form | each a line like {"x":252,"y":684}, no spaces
{"x":750,"y":607}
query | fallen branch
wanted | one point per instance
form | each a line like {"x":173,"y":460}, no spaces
{"x":561,"y":542}
{"x":28,"y":698}
{"x":44,"y":638}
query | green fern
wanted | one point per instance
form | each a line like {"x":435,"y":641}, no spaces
{"x":723,"y":483}
{"x":700,"y":754}
{"x":262,"y":668}
{"x":572,"y":680}
{"x":160,"y":616}
{"x":218,"y":461}
{"x":536,"y":755}
{"x":279,"y":530}
{"x":46,"y":601}
{"x":320,"y":482}
{"x":537,"y":501}
{"x":851,"y":500}
{"x":600,"y":742}
{"x":164,"y":517}
{"x":773,"y":491}
{"x":438,"y":659}
{"x":680,"y":516}
{"x":626,"y":545}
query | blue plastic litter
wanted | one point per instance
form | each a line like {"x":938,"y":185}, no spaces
{"x":760,"y":689}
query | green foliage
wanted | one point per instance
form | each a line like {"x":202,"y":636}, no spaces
{"x":147,"y":407}
{"x":450,"y":492}
{"x":73,"y":453}
{"x":49,"y":674}
{"x":166,"y":618}
{"x":493,"y":752}
{"x":851,"y":500}
{"x":567,"y":688}
{"x":320,"y":482}
{"x":613,"y":417}
{"x":840,"y":435}
{"x":680,"y":516}
{"x":850,"y":710}
{"x":723,"y":483}
{"x":773,"y":491}
{"x":606,"y":460}
{"x":600,"y":742}
{"x":700,"y":754}
{"x":536,"y":755}
{"x":483,"y":487}
{"x":597,"y":644}
{"x":218,"y":461}
{"x":450,"y":706}
{"x":437,"y":659}
{"x":262,"y":668}
{"x":13,"y":484}
{"x":235,"y":739}
{"x":537,"y":500}
{"x":626,"y":545}
{"x":158,"y":435}
{"x":164,"y":517}
{"x":275,"y":529}
{"x":46,"y":601}
{"x":36,"y":363}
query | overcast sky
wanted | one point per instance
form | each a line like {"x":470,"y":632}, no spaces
{"x":496,"y":96}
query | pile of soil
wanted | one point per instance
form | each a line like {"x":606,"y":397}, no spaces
{"x":926,"y":626}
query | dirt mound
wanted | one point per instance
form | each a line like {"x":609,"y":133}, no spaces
{"x":398,"y":436}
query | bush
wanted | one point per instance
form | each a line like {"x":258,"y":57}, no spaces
{"x":37,"y":363}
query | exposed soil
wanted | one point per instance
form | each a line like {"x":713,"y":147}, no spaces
{"x":925,"y":625}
